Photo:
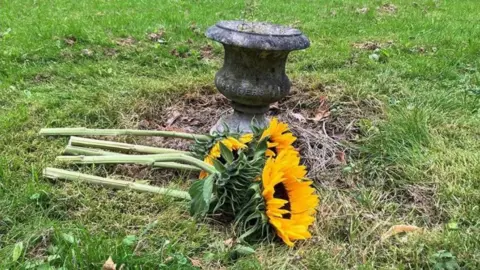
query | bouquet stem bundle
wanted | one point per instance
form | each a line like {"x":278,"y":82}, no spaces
{"x":254,"y":178}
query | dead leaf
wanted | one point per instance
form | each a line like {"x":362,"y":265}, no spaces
{"x":70,"y":40}
{"x":396,"y":229}
{"x":126,"y":41}
{"x":323,"y":110}
{"x":173,"y":118}
{"x":299,"y":117}
{"x":87,"y":52}
{"x":109,"y":264}
{"x":320,"y":115}
{"x":341,"y":157}
{"x":196,"y":262}
{"x":362,"y":10}
{"x":274,"y":106}
{"x":229,"y":242}
{"x":174,"y":52}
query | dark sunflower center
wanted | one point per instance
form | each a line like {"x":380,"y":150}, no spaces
{"x":281,"y":193}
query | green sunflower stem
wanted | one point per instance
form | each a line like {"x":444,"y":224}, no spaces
{"x":151,"y":160}
{"x":53,"y":173}
{"x":118,"y":146}
{"x":116,"y":132}
{"x":75,"y":150}
{"x":83,"y":151}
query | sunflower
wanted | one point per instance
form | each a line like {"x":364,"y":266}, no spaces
{"x":279,"y":138}
{"x":231,"y":143}
{"x":290,"y":200}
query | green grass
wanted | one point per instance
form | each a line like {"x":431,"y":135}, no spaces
{"x":416,"y":160}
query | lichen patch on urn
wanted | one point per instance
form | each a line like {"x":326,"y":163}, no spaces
{"x":253,"y":74}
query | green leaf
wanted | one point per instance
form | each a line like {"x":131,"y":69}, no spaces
{"x":261,"y":148}
{"x":208,"y":188}
{"x":53,"y":258}
{"x":452,"y":225}
{"x":240,"y":251}
{"x":198,"y":207}
{"x":219,"y":166}
{"x":226,"y":153}
{"x":45,"y":266}
{"x":34,"y":264}
{"x":129,"y":240}
{"x":68,"y":237}
{"x":52,"y":249}
{"x":17,"y":251}
{"x":244,"y":250}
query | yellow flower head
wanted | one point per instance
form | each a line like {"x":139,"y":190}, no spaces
{"x":231,"y":143}
{"x":289,"y":199}
{"x":279,"y":138}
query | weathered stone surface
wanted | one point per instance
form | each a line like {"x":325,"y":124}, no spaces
{"x":240,"y":122}
{"x":253,"y":74}
{"x":258,"y":35}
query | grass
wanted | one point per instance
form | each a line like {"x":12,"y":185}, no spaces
{"x":416,"y":159}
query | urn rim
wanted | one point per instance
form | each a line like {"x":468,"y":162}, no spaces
{"x":258,"y":35}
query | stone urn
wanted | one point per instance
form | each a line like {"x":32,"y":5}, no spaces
{"x":253,"y":73}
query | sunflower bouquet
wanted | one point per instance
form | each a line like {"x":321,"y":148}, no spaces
{"x":254,"y":180}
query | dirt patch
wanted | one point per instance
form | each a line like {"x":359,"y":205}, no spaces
{"x":181,"y":52}
{"x":206,"y":52}
{"x":128,"y":41}
{"x":423,"y":200}
{"x":41,"y":78}
{"x":388,"y":9}
{"x":70,"y":40}
{"x":40,"y":245}
{"x":111,"y":52}
{"x":156,"y":36}
{"x":321,"y":125}
{"x":372,"y":45}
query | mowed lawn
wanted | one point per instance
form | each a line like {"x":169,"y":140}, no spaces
{"x":414,"y":161}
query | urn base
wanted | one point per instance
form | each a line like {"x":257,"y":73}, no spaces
{"x":239,"y":122}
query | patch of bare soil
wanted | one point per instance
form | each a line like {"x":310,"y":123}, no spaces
{"x":128,"y":41}
{"x":321,"y":126}
{"x":389,"y":9}
{"x":156,"y":36}
{"x":38,"y":249}
{"x":372,"y":45}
